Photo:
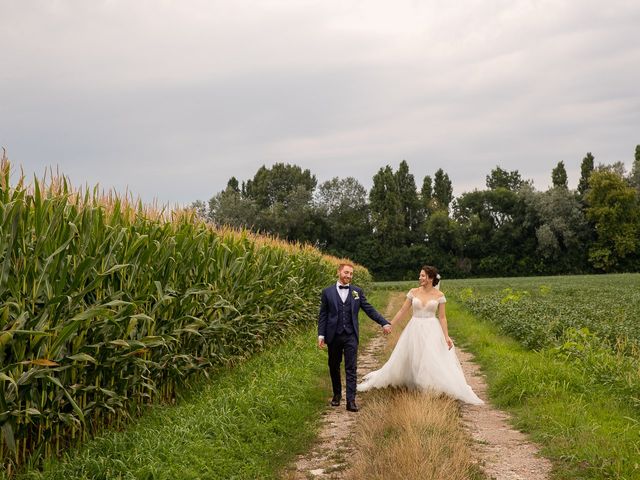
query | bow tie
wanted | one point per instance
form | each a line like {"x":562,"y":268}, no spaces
{"x":343,"y":286}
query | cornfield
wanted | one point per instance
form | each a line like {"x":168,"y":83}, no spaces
{"x":107,"y":305}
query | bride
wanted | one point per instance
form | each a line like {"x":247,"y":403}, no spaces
{"x":424,"y":357}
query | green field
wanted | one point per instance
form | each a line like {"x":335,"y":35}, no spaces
{"x":538,"y":311}
{"x":562,"y":354}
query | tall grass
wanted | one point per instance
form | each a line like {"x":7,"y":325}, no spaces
{"x":410,"y":434}
{"x":107,"y":305}
{"x":406,"y":434}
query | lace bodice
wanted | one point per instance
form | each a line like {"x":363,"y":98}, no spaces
{"x":427,"y":310}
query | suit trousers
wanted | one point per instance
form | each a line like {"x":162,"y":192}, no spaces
{"x":347,"y":344}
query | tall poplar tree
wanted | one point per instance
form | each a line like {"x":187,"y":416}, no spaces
{"x":426,"y":195}
{"x":410,"y":204}
{"x":586,"y":168}
{"x":442,"y":190}
{"x":635,"y":170}
{"x":386,"y":208}
{"x":559,"y":176}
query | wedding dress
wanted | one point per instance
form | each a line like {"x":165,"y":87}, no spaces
{"x":421,"y":358}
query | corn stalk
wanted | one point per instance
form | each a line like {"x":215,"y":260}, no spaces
{"x":107,"y":305}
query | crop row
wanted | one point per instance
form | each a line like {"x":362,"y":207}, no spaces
{"x":106,"y":306}
{"x":538,"y":311}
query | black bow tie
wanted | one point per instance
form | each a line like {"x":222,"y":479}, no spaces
{"x":343,"y":286}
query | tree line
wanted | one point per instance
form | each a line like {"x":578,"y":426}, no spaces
{"x":509,"y":228}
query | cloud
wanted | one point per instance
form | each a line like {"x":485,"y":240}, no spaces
{"x":173,"y":98}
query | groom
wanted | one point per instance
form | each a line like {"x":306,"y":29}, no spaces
{"x":338,"y":329}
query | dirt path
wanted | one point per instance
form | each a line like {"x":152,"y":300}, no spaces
{"x":329,"y":457}
{"x":503,"y":452}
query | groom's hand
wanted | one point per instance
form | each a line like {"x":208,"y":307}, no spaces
{"x":387,"y":329}
{"x":320,"y":342}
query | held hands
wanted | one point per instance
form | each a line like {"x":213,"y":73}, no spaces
{"x":386,"y":329}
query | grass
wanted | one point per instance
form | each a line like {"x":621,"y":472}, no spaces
{"x":585,"y":429}
{"x":407,"y":434}
{"x":245,"y":423}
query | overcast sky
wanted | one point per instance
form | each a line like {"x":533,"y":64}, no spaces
{"x":172,"y":98}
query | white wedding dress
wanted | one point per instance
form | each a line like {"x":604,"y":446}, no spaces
{"x":421,"y":358}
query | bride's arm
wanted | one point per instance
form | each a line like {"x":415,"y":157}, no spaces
{"x":442,"y":316}
{"x":402,"y":312}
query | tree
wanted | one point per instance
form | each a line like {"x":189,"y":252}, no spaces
{"x":497,"y":238}
{"x":443,"y":237}
{"x":559,"y":176}
{"x":233,"y":184}
{"x":442,"y":190}
{"x":229,"y":207}
{"x":586,"y":168}
{"x":635,"y":170}
{"x":276,"y":184}
{"x":616,"y":167}
{"x":294,"y":218}
{"x":342,"y":204}
{"x":410,"y":204}
{"x":282,"y":200}
{"x":386,"y":208}
{"x":612,"y":206}
{"x":200,"y":208}
{"x":426,"y":192}
{"x":499,"y":178}
{"x":561,"y":229}
{"x":339,"y":194}
{"x":426,"y":196}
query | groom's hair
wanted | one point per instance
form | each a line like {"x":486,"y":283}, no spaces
{"x":342,"y":265}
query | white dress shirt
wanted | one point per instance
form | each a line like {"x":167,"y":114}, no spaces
{"x":344,"y":293}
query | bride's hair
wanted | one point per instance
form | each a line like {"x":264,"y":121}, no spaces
{"x":432,"y":272}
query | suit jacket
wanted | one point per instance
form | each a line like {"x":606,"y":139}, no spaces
{"x":328,"y":318}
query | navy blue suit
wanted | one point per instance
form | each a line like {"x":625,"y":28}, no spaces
{"x":338,"y":324}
